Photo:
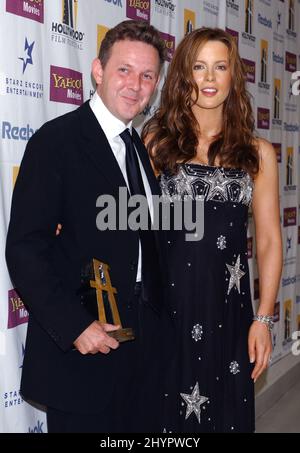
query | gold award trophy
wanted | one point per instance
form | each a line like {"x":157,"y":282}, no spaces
{"x":95,"y":277}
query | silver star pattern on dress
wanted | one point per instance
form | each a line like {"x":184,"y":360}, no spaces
{"x":212,"y":183}
{"x":197,"y":332}
{"x":235,"y":275}
{"x":234,"y":367}
{"x":194,"y":402}
{"x":246,"y":190}
{"x":217,"y":185}
{"x":221,"y":242}
{"x":182,"y":186}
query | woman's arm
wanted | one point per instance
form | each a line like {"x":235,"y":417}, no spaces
{"x":269,"y":252}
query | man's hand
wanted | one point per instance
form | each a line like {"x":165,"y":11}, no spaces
{"x":95,"y":339}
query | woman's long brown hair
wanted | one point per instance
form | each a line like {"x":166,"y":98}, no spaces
{"x":172,"y":133}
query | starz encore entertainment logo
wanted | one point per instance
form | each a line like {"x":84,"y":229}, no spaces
{"x":31,"y":9}
{"x":27,"y":59}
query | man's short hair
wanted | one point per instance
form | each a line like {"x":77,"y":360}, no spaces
{"x":132,"y":30}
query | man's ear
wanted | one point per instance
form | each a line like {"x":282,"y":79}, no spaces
{"x":97,"y":71}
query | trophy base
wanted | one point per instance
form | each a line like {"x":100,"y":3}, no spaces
{"x":122,"y":335}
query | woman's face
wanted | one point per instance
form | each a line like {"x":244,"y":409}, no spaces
{"x":212,"y":74}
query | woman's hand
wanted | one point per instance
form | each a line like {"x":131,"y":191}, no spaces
{"x":259,"y":347}
{"x":58,"y":228}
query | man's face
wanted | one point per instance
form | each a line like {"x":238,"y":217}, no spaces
{"x":129,"y":78}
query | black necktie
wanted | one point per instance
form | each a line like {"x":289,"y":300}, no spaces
{"x":133,"y":171}
{"x":150,"y":263}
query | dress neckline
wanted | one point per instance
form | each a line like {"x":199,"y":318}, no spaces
{"x":220,"y":167}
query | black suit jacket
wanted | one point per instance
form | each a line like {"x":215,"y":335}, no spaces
{"x":67,"y":164}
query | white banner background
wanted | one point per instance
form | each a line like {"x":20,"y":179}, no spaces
{"x":40,"y":44}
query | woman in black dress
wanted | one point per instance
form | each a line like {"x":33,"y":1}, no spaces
{"x":203,"y":147}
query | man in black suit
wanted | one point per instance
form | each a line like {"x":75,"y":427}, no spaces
{"x":86,"y":379}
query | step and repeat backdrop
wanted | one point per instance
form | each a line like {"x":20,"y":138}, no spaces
{"x":46,"y":49}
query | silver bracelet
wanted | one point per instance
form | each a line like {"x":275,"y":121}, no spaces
{"x":268,"y":320}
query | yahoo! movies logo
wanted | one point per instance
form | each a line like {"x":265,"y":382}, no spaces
{"x":249,"y":69}
{"x":31,"y":9}
{"x":263,"y":118}
{"x":66,"y":32}
{"x":138,"y":9}
{"x":289,"y":217}
{"x":66,"y":85}
{"x":290,"y":62}
{"x":234,"y":34}
{"x":169,"y":43}
{"x":17,"y":313}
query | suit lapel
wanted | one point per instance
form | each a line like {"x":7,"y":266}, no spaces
{"x":99,"y":150}
{"x":97,"y":147}
{"x":143,"y":155}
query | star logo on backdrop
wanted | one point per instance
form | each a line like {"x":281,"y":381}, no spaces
{"x":28,"y":54}
{"x":194,"y":402}
{"x":235,"y":275}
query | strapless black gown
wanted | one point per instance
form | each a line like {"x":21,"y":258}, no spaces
{"x":208,"y":385}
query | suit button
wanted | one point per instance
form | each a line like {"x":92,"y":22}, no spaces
{"x":132,"y":265}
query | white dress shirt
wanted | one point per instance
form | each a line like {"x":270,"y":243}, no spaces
{"x":112,"y":128}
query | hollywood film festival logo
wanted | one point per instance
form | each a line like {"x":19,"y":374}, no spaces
{"x":248,"y":37}
{"x":66,"y":32}
{"x":263,"y":84}
{"x":232,"y":7}
{"x":165,"y":7}
{"x":291,"y":25}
